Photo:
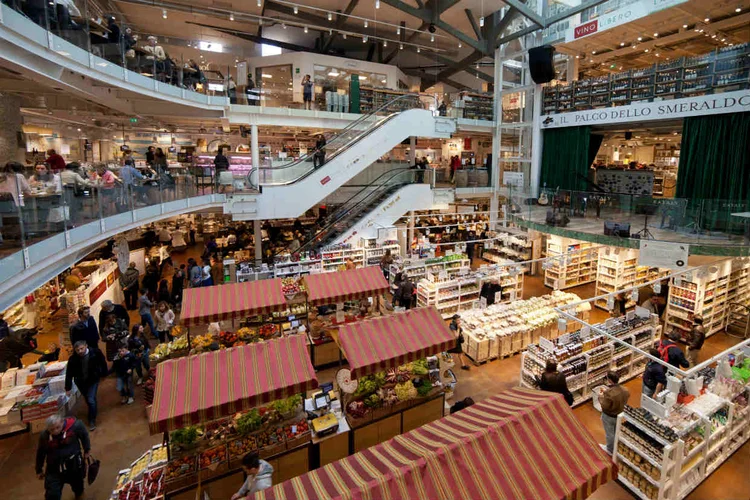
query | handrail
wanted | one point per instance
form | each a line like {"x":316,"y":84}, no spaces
{"x":340,"y":213}
{"x":364,"y":118}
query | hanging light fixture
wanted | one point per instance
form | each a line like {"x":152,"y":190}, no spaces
{"x":418,"y":50}
{"x":305,"y":29}
{"x":385,"y":43}
{"x":460,"y":45}
{"x":364,"y":39}
{"x":343,"y":35}
{"x":377,"y":4}
{"x":398,"y":30}
{"x":164,"y":13}
{"x":330,"y":16}
{"x":432,"y":38}
{"x":260,"y":3}
{"x":481,"y":22}
{"x":400,"y":46}
{"x":231,"y":17}
{"x":296,"y":9}
{"x":365,"y":23}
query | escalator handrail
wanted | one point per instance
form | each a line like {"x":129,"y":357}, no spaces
{"x":367,"y":117}
{"x":334,"y":219}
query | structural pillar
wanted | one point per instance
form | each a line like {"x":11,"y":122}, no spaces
{"x":258,"y":241}
{"x":254,"y":151}
{"x":413,"y":150}
{"x":410,"y":231}
{"x":11,"y":148}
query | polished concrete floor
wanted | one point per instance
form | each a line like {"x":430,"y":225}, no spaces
{"x":122,"y":434}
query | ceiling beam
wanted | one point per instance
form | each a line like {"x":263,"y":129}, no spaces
{"x":402,"y":37}
{"x":549,"y":21}
{"x":516,"y":34}
{"x":473,"y":24}
{"x":257,"y":39}
{"x":426,"y":16}
{"x":459,"y":66}
{"x":526,"y":11}
{"x":340,"y":21}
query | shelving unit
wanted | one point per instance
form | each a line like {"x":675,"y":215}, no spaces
{"x":517,"y":247}
{"x":738,"y":289}
{"x":450,"y":296}
{"x":332,"y":258}
{"x":705,"y":292}
{"x":417,"y":269}
{"x":371,"y":98}
{"x":726,"y":68}
{"x":374,"y":255}
{"x":475,"y":105}
{"x":284,"y":269}
{"x":569,"y":270}
{"x":618,"y":269}
{"x":586,"y":360}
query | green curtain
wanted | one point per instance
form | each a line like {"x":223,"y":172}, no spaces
{"x":715,"y":158}
{"x":565,"y":161}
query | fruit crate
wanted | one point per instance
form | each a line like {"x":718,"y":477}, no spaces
{"x":239,"y":447}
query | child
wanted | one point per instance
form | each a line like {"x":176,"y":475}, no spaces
{"x":123,"y":365}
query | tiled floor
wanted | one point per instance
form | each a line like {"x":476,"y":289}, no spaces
{"x":123,"y":432}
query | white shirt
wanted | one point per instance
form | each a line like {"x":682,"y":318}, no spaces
{"x":71,"y":178}
{"x":11,"y":185}
{"x":156,"y":50}
{"x":178,"y":239}
{"x":206,"y":272}
{"x":72,"y":8}
{"x":164,"y":235}
{"x":55,"y":182}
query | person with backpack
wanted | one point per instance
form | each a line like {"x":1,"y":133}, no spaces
{"x":65,"y":446}
{"x":670,"y":352}
{"x":654,"y":376}
{"x":123,"y":366}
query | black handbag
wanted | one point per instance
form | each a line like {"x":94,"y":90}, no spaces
{"x":92,"y":469}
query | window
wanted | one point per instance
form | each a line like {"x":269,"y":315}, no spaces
{"x":210,"y":47}
{"x":269,"y":50}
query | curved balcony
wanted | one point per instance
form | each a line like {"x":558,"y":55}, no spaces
{"x":709,"y":227}
{"x":45,"y":231}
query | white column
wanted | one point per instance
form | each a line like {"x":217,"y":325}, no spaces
{"x":410,"y":232}
{"x":254,"y":152}
{"x":257,"y":239}
{"x":571,"y":69}
{"x":494,"y":208}
{"x":536,"y":143}
{"x":413,"y":149}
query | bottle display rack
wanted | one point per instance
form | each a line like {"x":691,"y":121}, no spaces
{"x":726,"y":68}
{"x":517,"y":247}
{"x":417,"y":269}
{"x":333,"y":259}
{"x":373,"y":256}
{"x":585,"y":360}
{"x":705,"y":291}
{"x":618,"y":269}
{"x":569,"y":270}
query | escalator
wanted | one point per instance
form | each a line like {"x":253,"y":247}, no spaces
{"x":293,"y":188}
{"x":340,"y":222}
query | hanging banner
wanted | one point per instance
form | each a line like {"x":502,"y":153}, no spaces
{"x":663,"y":254}
{"x":715,"y":104}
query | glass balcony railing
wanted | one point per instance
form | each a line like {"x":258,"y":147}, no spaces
{"x":39,"y":219}
{"x":720,"y":227}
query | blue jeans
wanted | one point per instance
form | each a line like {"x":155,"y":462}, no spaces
{"x":143,"y":362}
{"x":647,"y":391}
{"x":125,"y":386}
{"x":147,"y":319}
{"x":610,"y":425}
{"x":89,"y":394}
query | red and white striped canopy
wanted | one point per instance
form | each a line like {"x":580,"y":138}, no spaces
{"x":390,"y":341}
{"x":331,"y":288}
{"x":518,"y":445}
{"x":217,"y":384}
{"x":233,"y":300}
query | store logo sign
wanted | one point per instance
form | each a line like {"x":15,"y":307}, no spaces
{"x":586,"y":29}
{"x":325,"y":180}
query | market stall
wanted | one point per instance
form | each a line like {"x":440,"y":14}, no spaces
{"x":465,"y":455}
{"x":355,"y":293}
{"x":396,"y":378}
{"x":215,"y":407}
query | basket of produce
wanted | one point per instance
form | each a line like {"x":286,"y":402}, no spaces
{"x":358,"y":414}
{"x":249,"y":422}
{"x":178,"y":468}
{"x":290,"y":287}
{"x":271,"y":441}
{"x":268,"y":331}
{"x":289,"y":407}
{"x":184,"y":440}
{"x":241,"y":446}
{"x":228,"y":339}
{"x":297,"y":433}
{"x":212,"y":457}
{"x":248,"y":335}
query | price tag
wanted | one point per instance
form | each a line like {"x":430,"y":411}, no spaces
{"x":585,"y":332}
{"x":546,"y":344}
{"x":564,"y":339}
{"x":294,"y":429}
{"x":498,"y":297}
{"x":482,"y":303}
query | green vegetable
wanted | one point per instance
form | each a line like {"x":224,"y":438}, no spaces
{"x":249,"y":422}
{"x":369,"y":384}
{"x":288,"y":405}
{"x":419,"y":367}
{"x":185,"y":436}
{"x":424,"y":389}
{"x":373,"y":401}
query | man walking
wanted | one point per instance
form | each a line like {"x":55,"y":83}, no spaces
{"x":108,"y":307}
{"x":695,"y":343}
{"x":65,"y":446}
{"x":86,"y":367}
{"x":85,"y":329}
{"x":144,"y":309}
{"x":129,"y":284}
{"x":613,"y":401}
{"x":670,"y":352}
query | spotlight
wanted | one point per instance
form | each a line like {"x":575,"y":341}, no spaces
{"x":296,"y":9}
{"x":400,"y":46}
{"x":305,"y":29}
{"x":481,"y":22}
{"x":330,"y":16}
{"x":231,"y":17}
{"x":365,"y":23}
{"x":164,"y":13}
{"x":460,"y":45}
{"x":377,"y":4}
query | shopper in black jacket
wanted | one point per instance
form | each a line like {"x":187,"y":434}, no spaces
{"x":554,"y":381}
{"x":85,"y":329}
{"x":60,"y":447}
{"x":110,"y":308}
{"x":670,"y":352}
{"x":86,"y":367}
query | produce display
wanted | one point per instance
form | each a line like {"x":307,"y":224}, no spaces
{"x":212,"y":456}
{"x":144,"y":479}
{"x":385,"y":389}
{"x":291,"y":286}
{"x":166,"y":350}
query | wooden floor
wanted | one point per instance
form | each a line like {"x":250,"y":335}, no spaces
{"x":122,"y":434}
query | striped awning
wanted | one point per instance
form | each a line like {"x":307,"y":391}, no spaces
{"x":518,"y":445}
{"x":233,"y":300}
{"x":390,"y":341}
{"x":217,"y":384}
{"x":331,"y":288}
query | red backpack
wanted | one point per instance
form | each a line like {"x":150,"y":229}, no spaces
{"x":663,"y":349}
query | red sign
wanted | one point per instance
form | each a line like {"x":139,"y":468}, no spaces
{"x":586,"y":29}
{"x":97,"y":291}
{"x":325,"y":180}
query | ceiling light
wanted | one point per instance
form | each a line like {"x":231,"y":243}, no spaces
{"x":591,"y":60}
{"x":164,"y":13}
{"x":622,"y":44}
{"x":685,"y":26}
{"x":330,"y":16}
{"x":363,"y":78}
{"x":296,"y":9}
{"x":377,"y":4}
{"x":365,"y":23}
{"x":700,"y":30}
{"x":260,"y":3}
{"x":231,"y":17}
{"x":333,"y":73}
{"x":640,"y":38}
{"x":305,"y":29}
{"x":706,"y":20}
{"x":343,"y":35}
{"x":418,"y":50}
{"x":400,"y":46}
{"x":383,"y":81}
{"x":738,"y":10}
{"x":385,"y":43}
{"x":364,"y":39}
{"x":266,"y":75}
{"x":432,"y":38}
{"x":481,"y":22}
{"x":398,"y":30}
{"x":657,"y":54}
{"x":78,"y":129}
{"x":460,"y":45}
{"x":330,"y":31}
{"x":260,"y":21}
{"x":713,"y":36}
{"x":593,"y":52}
{"x":656,"y":34}
{"x":578,"y":57}
{"x":645,"y":50}
{"x":283,"y":25}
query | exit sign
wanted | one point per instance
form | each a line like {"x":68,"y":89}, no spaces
{"x":134,"y":120}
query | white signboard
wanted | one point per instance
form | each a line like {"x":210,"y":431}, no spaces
{"x":716,"y":104}
{"x":546,"y":344}
{"x":585,"y":332}
{"x":654,"y":407}
{"x":498,"y":297}
{"x":618,"y":17}
{"x":664,"y":254}
{"x":513,"y":179}
{"x":482,"y":303}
